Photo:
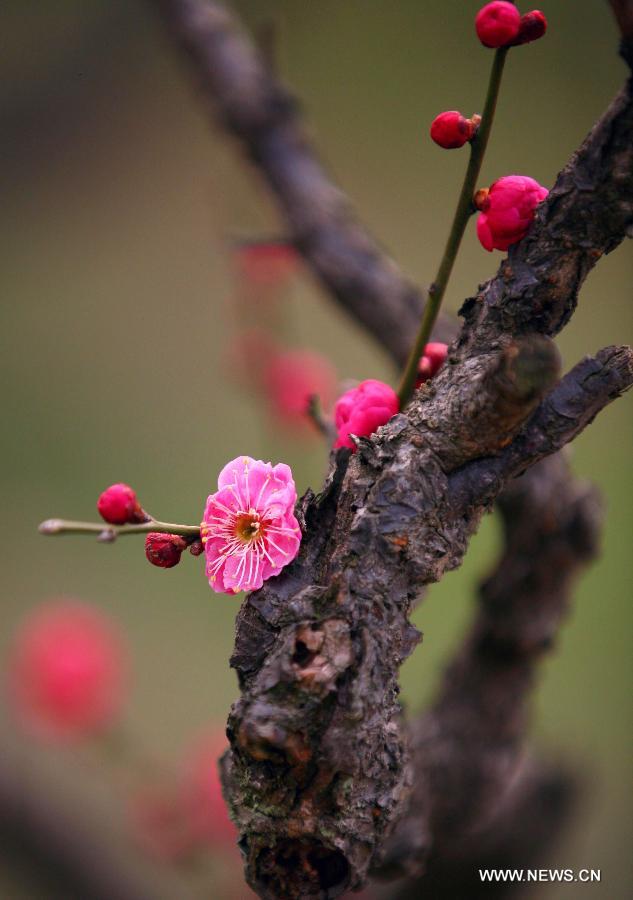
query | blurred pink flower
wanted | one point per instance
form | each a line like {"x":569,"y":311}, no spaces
{"x":201,"y":792}
{"x":249,"y":356}
{"x":186,"y":812}
{"x":266,"y":263}
{"x":507,"y":210}
{"x":291,"y":377}
{"x":431,"y":361}
{"x":66,"y":672}
{"x":158,"y":824}
{"x":249,"y":529}
{"x":362,"y":410}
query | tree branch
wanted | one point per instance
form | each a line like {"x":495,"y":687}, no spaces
{"x":468,"y":750}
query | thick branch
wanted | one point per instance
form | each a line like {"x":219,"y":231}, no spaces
{"x":468,"y":750}
{"x":262,"y":114}
{"x":319,"y":772}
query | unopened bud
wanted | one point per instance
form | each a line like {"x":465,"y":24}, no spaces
{"x":532,"y":26}
{"x":164,"y":550}
{"x":451,"y":129}
{"x":118,"y":505}
{"x":497,"y":23}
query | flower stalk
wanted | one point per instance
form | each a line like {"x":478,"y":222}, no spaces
{"x":108,"y":533}
{"x":463,"y":212}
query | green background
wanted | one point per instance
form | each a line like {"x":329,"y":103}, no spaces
{"x":117,"y":315}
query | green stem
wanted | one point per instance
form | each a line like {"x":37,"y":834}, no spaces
{"x":462,"y":213}
{"x":63,"y":526}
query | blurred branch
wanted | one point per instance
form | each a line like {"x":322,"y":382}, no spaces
{"x":60,"y":841}
{"x":264,"y":117}
{"x":538,"y":808}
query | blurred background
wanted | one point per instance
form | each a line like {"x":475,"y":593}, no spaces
{"x":123,"y":359}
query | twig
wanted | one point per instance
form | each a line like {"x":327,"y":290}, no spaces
{"x":462,"y":214}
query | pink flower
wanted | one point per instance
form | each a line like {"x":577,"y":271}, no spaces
{"x":118,"y":505}
{"x":431,"y":361}
{"x":451,"y":129}
{"x":497,"y":23}
{"x":362,"y":410}
{"x":249,"y":530}
{"x":291,"y":377}
{"x":67,"y":670}
{"x":507,"y":210}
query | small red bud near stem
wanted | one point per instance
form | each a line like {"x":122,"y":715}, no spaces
{"x":451,"y":129}
{"x":164,"y":550}
{"x":497,"y":24}
{"x":118,"y":505}
{"x":532,"y":26}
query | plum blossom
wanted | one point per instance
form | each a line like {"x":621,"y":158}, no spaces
{"x":362,"y":410}
{"x":507,"y":210}
{"x":249,"y":530}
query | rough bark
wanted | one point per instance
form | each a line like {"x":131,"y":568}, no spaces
{"x":468,"y":749}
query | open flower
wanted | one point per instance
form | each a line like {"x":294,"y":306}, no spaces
{"x":249,"y":530}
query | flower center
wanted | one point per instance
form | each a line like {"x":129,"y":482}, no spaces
{"x":248,"y":526}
